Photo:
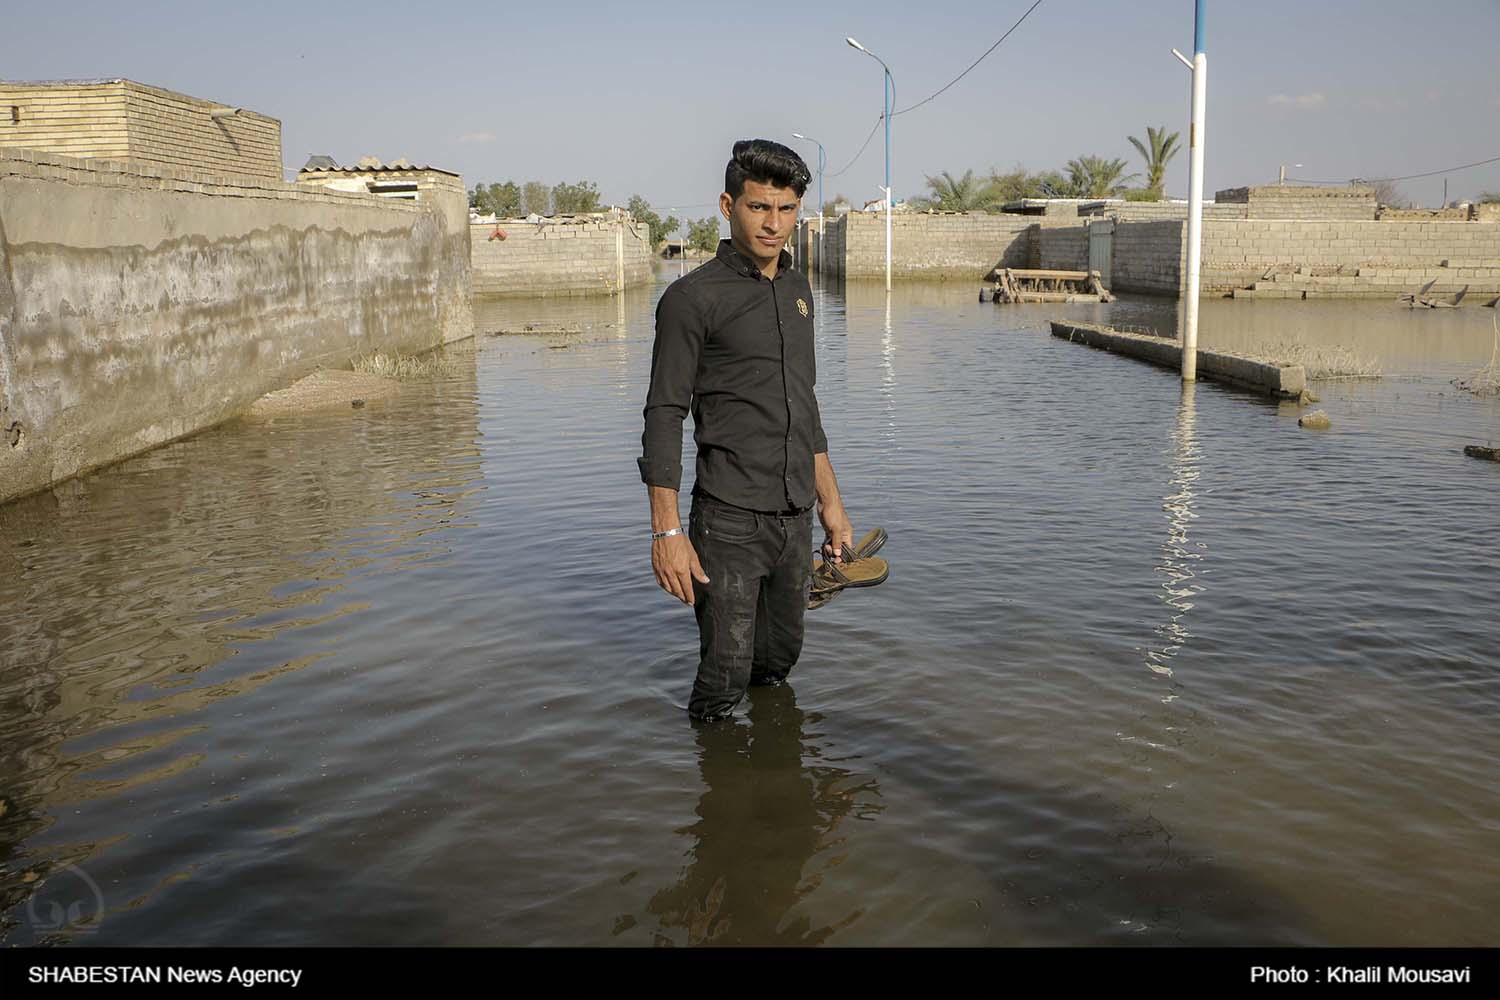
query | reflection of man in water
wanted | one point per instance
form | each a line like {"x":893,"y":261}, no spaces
{"x":763,"y":816}
{"x":734,"y":344}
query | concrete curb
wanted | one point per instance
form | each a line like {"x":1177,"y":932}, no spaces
{"x":1256,"y":374}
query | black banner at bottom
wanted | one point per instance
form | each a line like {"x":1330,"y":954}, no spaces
{"x":824,"y":972}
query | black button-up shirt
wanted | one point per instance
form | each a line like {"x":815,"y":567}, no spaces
{"x":737,"y":349}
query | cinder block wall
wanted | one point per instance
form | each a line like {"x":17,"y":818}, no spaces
{"x":1272,"y":201}
{"x":928,"y":246}
{"x":578,"y":257}
{"x":1149,"y":257}
{"x":122,"y":119}
{"x":139,"y":306}
{"x":1235,"y":254}
{"x":1062,"y":248}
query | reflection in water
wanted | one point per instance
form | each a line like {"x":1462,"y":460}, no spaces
{"x":763,"y":816}
{"x":154,"y":591}
{"x":1179,"y":553}
{"x":394,"y":660}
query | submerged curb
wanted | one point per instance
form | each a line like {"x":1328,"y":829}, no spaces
{"x":1258,"y":374}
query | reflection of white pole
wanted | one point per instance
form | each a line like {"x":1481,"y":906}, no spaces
{"x":1195,"y":198}
{"x":619,"y":254}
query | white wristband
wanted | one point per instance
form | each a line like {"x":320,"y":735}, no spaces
{"x":665,"y":534}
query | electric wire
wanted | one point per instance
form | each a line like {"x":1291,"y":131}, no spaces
{"x":976,"y":62}
{"x":880,"y":119}
{"x":1408,"y":177}
{"x":863,"y":146}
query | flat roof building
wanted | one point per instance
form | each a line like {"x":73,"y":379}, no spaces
{"x":124,"y":120}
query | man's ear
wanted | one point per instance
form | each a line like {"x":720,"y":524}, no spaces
{"x":726,"y":205}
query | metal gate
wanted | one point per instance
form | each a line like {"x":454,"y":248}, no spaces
{"x":1101,"y":248}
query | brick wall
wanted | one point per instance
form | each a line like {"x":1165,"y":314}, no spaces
{"x":573,"y":257}
{"x":122,"y":119}
{"x":84,"y":120}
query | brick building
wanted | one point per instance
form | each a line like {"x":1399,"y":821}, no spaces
{"x":138,"y":124}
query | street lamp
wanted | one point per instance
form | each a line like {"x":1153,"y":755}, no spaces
{"x":889,"y":204}
{"x":1282,"y":178}
{"x":822,"y":162}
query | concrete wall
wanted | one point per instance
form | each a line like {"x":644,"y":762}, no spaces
{"x":125,"y":120}
{"x":137,"y":306}
{"x":927,"y":246}
{"x":577,"y":256}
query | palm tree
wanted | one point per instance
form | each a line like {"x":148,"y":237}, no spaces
{"x":961,"y":194}
{"x":1096,"y":177}
{"x":1159,"y":147}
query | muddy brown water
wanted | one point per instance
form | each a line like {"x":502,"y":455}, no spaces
{"x":1153,"y":665}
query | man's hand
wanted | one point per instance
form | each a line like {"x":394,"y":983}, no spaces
{"x":840,"y":531}
{"x":676,"y":566}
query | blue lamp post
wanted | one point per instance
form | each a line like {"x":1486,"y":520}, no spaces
{"x":889,"y":203}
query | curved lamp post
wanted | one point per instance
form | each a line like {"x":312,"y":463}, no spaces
{"x":889,"y":203}
{"x":822,"y":163}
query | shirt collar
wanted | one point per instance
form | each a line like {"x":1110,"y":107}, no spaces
{"x":738,"y":263}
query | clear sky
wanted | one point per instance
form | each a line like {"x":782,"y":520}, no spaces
{"x":646,"y":98}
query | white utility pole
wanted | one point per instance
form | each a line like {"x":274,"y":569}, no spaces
{"x":1199,"y":65}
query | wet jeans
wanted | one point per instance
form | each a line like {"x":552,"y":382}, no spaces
{"x":759,"y":568}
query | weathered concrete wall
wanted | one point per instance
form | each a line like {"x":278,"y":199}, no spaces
{"x":1274,"y":201}
{"x":139,"y":306}
{"x":928,"y":246}
{"x":578,"y":256}
{"x":125,"y":120}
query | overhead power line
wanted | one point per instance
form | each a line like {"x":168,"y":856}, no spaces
{"x":1408,"y":177}
{"x":880,"y":119}
{"x":976,"y":62}
{"x":863,"y":146}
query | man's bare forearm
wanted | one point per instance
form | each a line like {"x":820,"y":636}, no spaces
{"x":825,"y":482}
{"x":664,"y":511}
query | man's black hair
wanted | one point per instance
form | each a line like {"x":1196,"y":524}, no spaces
{"x":765,"y":162}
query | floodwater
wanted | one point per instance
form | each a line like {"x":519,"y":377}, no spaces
{"x":1153,"y":666}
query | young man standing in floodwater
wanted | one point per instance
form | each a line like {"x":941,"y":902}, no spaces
{"x":734,"y":344}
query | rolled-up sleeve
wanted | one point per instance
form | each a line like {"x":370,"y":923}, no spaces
{"x":674,"y":367}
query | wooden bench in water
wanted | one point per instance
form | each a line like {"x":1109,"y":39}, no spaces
{"x":1032,"y":285}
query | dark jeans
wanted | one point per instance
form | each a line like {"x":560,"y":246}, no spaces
{"x":759,"y":568}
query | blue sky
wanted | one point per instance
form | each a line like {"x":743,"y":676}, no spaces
{"x":646,"y":98}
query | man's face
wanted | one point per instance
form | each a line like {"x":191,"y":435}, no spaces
{"x":761,"y":220}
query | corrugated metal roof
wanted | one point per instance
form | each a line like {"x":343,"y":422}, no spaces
{"x":364,"y":167}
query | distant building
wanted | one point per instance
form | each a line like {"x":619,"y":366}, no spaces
{"x":397,"y":179}
{"x":124,"y":120}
